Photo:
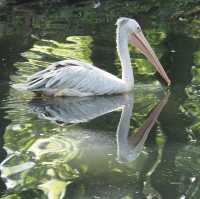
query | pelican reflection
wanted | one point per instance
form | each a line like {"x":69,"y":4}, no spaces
{"x":129,"y":147}
{"x":53,"y":153}
{"x":77,"y":110}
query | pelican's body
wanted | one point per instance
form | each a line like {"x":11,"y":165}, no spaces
{"x":76,"y":78}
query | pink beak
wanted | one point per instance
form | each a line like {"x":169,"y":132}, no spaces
{"x":139,"y":40}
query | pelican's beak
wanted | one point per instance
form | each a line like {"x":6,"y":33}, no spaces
{"x":139,"y":40}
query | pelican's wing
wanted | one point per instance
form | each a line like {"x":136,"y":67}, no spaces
{"x":75,"y":78}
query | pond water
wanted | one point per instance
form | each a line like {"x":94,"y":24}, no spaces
{"x":140,"y":145}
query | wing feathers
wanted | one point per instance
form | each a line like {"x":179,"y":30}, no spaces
{"x":75,"y":77}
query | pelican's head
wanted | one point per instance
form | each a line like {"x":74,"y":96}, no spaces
{"x":137,"y":38}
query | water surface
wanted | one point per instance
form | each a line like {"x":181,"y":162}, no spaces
{"x":141,"y":145}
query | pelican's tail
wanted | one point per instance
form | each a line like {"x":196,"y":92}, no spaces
{"x":20,"y":87}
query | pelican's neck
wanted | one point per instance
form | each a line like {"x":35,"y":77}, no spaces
{"x":124,"y":56}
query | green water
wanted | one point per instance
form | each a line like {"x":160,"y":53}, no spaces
{"x":72,"y":148}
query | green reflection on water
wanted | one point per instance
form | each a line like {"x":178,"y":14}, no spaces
{"x":79,"y":161}
{"x":45,"y":52}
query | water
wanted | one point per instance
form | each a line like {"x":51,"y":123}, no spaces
{"x":80,"y":148}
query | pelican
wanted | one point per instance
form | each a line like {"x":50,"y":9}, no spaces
{"x":76,"y":78}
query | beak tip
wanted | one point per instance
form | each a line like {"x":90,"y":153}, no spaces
{"x":169,"y":82}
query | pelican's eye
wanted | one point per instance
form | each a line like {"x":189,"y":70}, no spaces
{"x":138,"y":28}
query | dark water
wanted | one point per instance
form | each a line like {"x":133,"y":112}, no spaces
{"x":80,"y":148}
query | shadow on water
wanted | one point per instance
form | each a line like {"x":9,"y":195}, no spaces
{"x":172,"y":120}
{"x":3,"y":124}
{"x":11,"y":46}
{"x":180,"y":63}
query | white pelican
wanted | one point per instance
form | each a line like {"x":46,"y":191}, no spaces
{"x":76,"y":78}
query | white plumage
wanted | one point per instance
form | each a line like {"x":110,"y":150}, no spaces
{"x":76,"y":78}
